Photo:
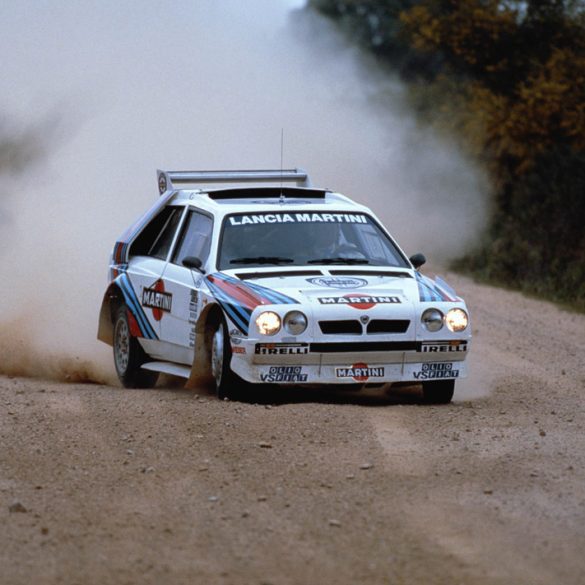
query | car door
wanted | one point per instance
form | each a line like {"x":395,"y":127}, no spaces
{"x":184,"y":287}
{"x":147,"y":259}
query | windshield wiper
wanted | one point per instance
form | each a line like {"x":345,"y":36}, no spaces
{"x":262,"y":260}
{"x":338,"y":260}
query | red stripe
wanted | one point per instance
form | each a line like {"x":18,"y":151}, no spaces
{"x":240,"y":293}
{"x":134,"y":327}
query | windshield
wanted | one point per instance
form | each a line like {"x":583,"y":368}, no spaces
{"x":300,"y":239}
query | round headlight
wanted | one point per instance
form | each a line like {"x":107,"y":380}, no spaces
{"x":457,"y":320}
{"x":432,"y":319}
{"x":295,"y":322}
{"x":268,"y":323}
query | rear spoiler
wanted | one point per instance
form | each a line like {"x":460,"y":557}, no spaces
{"x":166,"y":179}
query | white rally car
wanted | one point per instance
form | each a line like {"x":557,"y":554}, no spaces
{"x":275,"y":284}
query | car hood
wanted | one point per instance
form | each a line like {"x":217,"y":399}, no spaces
{"x":345,"y":289}
{"x":359,"y":288}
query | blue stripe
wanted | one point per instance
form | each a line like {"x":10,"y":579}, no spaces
{"x":131,"y":299}
{"x":242,"y":325}
{"x":132,"y":305}
{"x":428,"y":293}
{"x":237,"y":313}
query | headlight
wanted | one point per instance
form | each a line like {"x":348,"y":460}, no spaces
{"x":457,"y":320}
{"x":268,"y":323}
{"x":295,"y":322}
{"x":432,"y":319}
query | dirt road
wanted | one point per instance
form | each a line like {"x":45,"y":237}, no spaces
{"x":102,"y":485}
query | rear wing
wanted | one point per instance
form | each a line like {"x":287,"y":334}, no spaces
{"x":168,"y":179}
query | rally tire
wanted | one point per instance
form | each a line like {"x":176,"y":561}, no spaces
{"x":221,"y":356}
{"x":129,"y":356}
{"x":439,"y":392}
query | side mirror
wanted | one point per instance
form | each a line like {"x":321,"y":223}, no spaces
{"x":417,"y":260}
{"x":193,"y":262}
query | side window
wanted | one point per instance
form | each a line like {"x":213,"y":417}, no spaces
{"x":143,"y":244}
{"x":195,"y":239}
{"x":162,"y":244}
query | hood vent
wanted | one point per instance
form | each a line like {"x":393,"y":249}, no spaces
{"x":279,"y":274}
{"x":366,"y":272}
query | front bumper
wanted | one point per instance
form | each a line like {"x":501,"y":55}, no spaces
{"x":349,"y":362}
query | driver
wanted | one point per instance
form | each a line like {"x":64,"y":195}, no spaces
{"x":327,"y":242}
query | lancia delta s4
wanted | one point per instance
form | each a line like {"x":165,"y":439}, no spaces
{"x":252,"y":279}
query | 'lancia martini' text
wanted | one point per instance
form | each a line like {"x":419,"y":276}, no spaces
{"x":298,"y":218}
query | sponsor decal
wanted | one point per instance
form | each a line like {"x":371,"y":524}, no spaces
{"x":162,"y":183}
{"x":236,"y":336}
{"x":157,"y":299}
{"x":338,"y":282}
{"x":281,"y":348}
{"x":193,"y":306}
{"x":360,"y":372}
{"x":436,"y":371}
{"x":362,"y":302}
{"x":193,"y":314}
{"x":238,"y":349}
{"x":298,"y":218}
{"x":284,"y":374}
{"x":443,"y":346}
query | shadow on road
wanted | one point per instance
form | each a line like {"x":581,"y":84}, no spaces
{"x":280,"y":395}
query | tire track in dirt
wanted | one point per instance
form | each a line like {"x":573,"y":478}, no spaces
{"x":503,"y":463}
{"x":173,"y":486}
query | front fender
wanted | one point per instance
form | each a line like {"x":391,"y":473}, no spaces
{"x":208,"y":321}
{"x":105,"y":325}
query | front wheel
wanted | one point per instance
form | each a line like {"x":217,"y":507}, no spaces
{"x":129,"y":356}
{"x":440,"y":392}
{"x":221,"y":356}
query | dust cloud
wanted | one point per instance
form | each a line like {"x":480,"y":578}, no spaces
{"x":190,"y":85}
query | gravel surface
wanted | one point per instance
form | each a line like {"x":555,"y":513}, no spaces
{"x":102,"y":485}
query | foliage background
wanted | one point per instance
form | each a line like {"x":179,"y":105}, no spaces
{"x":507,"y":80}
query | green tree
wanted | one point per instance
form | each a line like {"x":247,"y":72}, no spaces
{"x":508,"y":79}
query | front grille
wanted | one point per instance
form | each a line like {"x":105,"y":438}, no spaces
{"x":357,"y":346}
{"x":388,"y":326}
{"x":354,"y":327}
{"x":345,"y":327}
